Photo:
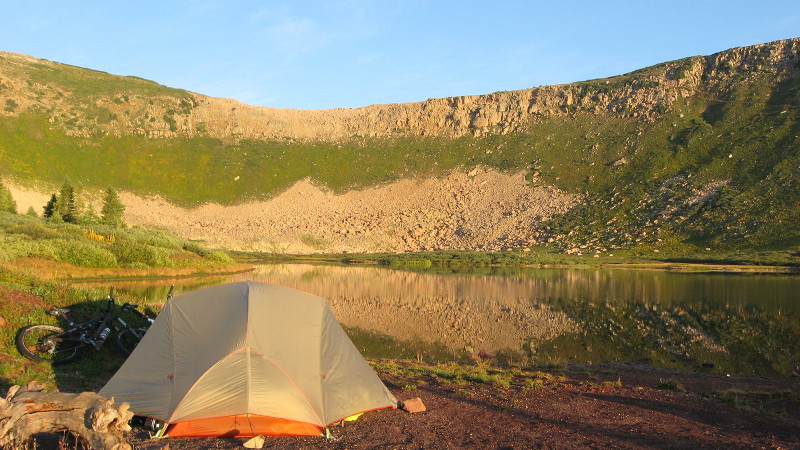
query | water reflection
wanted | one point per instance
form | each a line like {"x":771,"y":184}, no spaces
{"x":518,"y":309}
{"x":771,"y":292}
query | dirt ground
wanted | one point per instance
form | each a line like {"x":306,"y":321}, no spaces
{"x":595,"y":407}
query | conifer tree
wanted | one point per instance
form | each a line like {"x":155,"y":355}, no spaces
{"x":50,"y":207}
{"x":113,"y":209}
{"x":31,"y":212}
{"x":66,"y":203}
{"x":88,"y":215}
{"x":7,"y":202}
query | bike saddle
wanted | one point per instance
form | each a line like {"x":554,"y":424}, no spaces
{"x":58,"y":310}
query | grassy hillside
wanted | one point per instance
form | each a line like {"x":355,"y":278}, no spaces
{"x":717,"y":168}
{"x":100,"y":246}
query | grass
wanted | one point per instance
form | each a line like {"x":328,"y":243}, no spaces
{"x":740,"y":130}
{"x":89,"y":372}
{"x":760,"y":401}
{"x":23,"y":236}
{"x":669,"y":385}
{"x":690,"y":260}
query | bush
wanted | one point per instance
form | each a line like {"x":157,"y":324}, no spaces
{"x":34,"y":231}
{"x":82,"y":253}
{"x":194,"y":247}
{"x":155,"y":238}
{"x":219,"y":256}
{"x":130,"y":252}
{"x":21,"y":246}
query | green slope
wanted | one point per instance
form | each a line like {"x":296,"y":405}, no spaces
{"x":734,"y":140}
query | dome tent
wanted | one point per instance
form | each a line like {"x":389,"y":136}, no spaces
{"x":246,"y":359}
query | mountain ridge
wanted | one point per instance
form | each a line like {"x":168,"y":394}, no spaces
{"x":699,"y":152}
{"x":642,"y":93}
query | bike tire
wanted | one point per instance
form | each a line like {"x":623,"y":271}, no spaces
{"x":47,"y":343}
{"x":128,"y":339}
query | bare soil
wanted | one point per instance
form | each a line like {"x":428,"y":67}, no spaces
{"x":596,"y":407}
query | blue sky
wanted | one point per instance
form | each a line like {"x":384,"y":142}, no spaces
{"x":351,"y":53}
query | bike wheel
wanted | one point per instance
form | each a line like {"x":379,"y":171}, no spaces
{"x":46,"y":343}
{"x":128,"y":339}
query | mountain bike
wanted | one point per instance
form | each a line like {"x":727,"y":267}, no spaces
{"x":128,"y":337}
{"x":56,"y":345}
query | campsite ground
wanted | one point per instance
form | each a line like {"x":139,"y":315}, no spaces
{"x":577,"y":406}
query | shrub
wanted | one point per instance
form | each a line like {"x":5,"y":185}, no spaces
{"x":82,"y":253}
{"x":214,"y":255}
{"x":130,"y":252}
{"x":34,"y":230}
{"x":194,"y":247}
{"x":20,"y":246}
{"x":155,"y":238}
{"x":219,"y":256}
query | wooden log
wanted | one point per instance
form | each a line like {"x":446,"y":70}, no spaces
{"x":88,"y":415}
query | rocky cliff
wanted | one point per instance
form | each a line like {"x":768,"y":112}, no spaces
{"x":702,"y":150}
{"x":25,"y":85}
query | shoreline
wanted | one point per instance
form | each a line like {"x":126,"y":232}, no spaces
{"x":371,"y":259}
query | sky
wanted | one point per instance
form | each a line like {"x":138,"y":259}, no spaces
{"x":351,"y":53}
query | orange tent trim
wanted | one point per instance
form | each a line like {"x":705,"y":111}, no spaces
{"x":242,"y":425}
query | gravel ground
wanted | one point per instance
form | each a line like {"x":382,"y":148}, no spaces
{"x":609,"y":407}
{"x":479,"y":210}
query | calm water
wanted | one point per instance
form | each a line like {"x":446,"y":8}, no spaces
{"x":550,"y":315}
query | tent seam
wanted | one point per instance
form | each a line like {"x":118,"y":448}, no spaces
{"x":305,"y":397}
{"x":324,"y":399}
{"x":200,"y":378}
{"x":247,"y":340}
{"x":172,"y":372}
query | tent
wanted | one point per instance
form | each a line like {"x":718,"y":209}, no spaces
{"x":246,"y":359}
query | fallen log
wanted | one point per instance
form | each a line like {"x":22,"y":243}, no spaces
{"x":88,"y":415}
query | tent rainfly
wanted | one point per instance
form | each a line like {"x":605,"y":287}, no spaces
{"x":246,"y":359}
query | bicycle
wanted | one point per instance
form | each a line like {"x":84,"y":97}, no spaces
{"x":56,"y":345}
{"x":128,"y":337}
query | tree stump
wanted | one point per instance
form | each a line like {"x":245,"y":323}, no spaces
{"x":88,"y":415}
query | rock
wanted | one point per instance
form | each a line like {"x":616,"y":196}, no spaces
{"x":708,"y":364}
{"x":412,"y":405}
{"x":256,"y":442}
{"x":479,"y":122}
{"x":619,"y":162}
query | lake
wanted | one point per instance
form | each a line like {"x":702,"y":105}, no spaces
{"x":718,"y":322}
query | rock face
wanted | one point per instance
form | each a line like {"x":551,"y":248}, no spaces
{"x":644,"y":93}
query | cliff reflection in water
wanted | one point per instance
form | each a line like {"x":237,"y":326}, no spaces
{"x":473,"y":312}
{"x":747,"y":323}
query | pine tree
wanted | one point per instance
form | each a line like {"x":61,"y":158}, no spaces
{"x":7,"y":202}
{"x":32,"y":212}
{"x":113,"y":209}
{"x":50,"y":207}
{"x":88,"y":215}
{"x":66,"y":203}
